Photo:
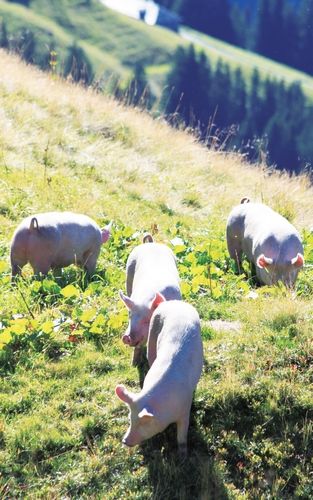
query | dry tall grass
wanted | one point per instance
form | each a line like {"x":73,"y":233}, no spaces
{"x":49,"y":126}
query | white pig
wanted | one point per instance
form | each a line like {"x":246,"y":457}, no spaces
{"x":175,"y":356}
{"x":151,"y":276}
{"x":57,"y":239}
{"x":268,"y":240}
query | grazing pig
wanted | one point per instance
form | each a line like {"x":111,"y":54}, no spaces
{"x":175,"y":356}
{"x":151,"y":276}
{"x":267,"y":239}
{"x":57,"y":239}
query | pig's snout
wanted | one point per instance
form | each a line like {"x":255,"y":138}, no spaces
{"x":131,"y":439}
{"x":126,"y":339}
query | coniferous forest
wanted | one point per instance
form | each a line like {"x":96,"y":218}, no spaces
{"x":278,"y":29}
{"x":267,"y":120}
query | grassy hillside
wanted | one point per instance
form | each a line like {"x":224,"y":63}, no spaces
{"x":114,"y":43}
{"x":61,"y":353}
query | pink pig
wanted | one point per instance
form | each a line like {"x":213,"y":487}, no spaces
{"x":175,"y":356}
{"x":152,"y":276}
{"x":57,"y":239}
{"x":268,"y":240}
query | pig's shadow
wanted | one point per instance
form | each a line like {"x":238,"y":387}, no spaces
{"x":143,"y":368}
{"x":172,"y":477}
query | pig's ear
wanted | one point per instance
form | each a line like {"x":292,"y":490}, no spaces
{"x":263,"y":261}
{"x":145,"y":414}
{"x":158,"y":298}
{"x":123,"y":394}
{"x":298,"y":261}
{"x":127,"y":301}
{"x":105,"y":233}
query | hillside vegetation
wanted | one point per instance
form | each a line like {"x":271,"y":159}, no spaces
{"x":63,"y":147}
{"x":115,"y":43}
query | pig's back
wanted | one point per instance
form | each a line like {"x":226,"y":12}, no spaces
{"x":262,"y":222}
{"x":179,"y":345}
{"x":79,"y":234}
{"x":71,"y":235}
{"x":155,"y":271}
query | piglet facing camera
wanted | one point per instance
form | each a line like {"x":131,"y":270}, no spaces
{"x":175,"y":356}
{"x":151,"y":277}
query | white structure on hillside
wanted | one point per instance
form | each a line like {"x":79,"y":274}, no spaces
{"x":145,"y":10}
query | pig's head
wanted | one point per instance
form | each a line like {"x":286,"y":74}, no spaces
{"x":139,"y":319}
{"x":270,"y":272}
{"x":143,"y":423}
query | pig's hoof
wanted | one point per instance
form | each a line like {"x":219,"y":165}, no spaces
{"x":182,"y":451}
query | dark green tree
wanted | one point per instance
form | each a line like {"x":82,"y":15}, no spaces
{"x":305,"y":143}
{"x":209,"y":16}
{"x":237,"y":99}
{"x":22,"y":2}
{"x":220,"y":95}
{"x":186,"y":95}
{"x":305,"y":61}
{"x":4,"y":40}
{"x":138,"y":92}
{"x":252,"y":126}
{"x":262,"y":39}
{"x":77,"y":65}
{"x":24,"y":44}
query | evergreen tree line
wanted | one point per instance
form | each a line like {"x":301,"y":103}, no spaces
{"x":262,"y":118}
{"x":279,"y":29}
{"x":24,"y":42}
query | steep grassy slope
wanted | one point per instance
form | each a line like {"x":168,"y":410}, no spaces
{"x":61,"y":355}
{"x":113,"y":42}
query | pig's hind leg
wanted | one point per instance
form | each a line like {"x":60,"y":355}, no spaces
{"x":182,"y":432}
{"x":235,"y":250}
{"x":18,"y":261}
{"x":17,"y":269}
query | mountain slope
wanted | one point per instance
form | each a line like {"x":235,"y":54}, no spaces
{"x":114,"y":43}
{"x":68,"y":148}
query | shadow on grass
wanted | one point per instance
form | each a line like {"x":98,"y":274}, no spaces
{"x":176,"y":478}
{"x":143,"y":366}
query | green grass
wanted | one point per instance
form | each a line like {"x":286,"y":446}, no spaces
{"x":61,"y":354}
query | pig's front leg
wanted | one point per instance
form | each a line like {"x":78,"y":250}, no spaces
{"x":42,"y":266}
{"x":138,"y":356}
